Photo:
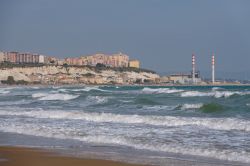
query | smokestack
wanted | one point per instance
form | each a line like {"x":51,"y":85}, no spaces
{"x":213,"y":67}
{"x":193,"y":68}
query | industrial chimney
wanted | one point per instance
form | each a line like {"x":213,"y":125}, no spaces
{"x":193,"y":68}
{"x":213,"y":67}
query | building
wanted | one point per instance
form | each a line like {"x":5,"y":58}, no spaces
{"x":26,"y":58}
{"x":114,"y":60}
{"x":73,"y":61}
{"x":10,"y":57}
{"x":134,"y":63}
{"x":1,"y":57}
{"x":184,"y":78}
{"x":41,"y":59}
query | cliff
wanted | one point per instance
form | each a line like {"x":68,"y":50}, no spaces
{"x":78,"y":75}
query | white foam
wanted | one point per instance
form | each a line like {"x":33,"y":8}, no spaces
{"x":4,"y":91}
{"x":211,"y":123}
{"x":62,"y":133}
{"x":89,"y":88}
{"x":191,"y":106}
{"x":161,"y":90}
{"x":97,"y":99}
{"x":54,"y":96}
{"x":216,"y":88}
{"x":37,"y":95}
{"x":216,"y":94}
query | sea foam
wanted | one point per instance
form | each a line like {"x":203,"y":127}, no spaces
{"x":160,"y":90}
{"x":54,"y":96}
{"x":191,"y":106}
{"x":216,"y":94}
{"x":211,"y":123}
{"x":61,"y":133}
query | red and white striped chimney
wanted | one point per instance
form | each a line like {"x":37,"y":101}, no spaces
{"x":213,"y":68}
{"x":193,"y":68}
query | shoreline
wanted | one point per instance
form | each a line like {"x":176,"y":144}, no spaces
{"x":16,"y":156}
{"x":121,"y":85}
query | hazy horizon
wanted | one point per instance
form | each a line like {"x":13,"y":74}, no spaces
{"x":161,"y":34}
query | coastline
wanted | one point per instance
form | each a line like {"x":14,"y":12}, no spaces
{"x":16,"y":156}
{"x":121,"y":85}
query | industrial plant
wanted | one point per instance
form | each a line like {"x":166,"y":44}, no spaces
{"x":192,"y":78}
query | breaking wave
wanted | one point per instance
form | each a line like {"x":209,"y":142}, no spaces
{"x":211,"y":123}
{"x":97,"y":99}
{"x":4,"y":91}
{"x":191,"y":106}
{"x":54,"y":96}
{"x":216,"y":94}
{"x":211,"y":107}
{"x":89,"y":88}
{"x":161,"y":90}
{"x":45,"y":131}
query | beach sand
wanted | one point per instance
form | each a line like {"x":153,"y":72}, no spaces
{"x":19,"y":156}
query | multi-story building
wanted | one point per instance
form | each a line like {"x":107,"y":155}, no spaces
{"x":10,"y":57}
{"x":1,"y":57}
{"x":20,"y":58}
{"x":115,"y":60}
{"x":134,"y":63}
{"x":27,"y":58}
{"x":74,"y":61}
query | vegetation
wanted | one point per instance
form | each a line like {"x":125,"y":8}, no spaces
{"x":98,"y":68}
{"x":11,"y":81}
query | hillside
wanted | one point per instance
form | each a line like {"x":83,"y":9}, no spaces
{"x":52,"y":74}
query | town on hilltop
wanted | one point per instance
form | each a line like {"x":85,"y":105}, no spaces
{"x":91,"y":69}
{"x":114,"y":60}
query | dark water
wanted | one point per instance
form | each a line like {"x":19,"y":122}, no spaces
{"x":210,"y":122}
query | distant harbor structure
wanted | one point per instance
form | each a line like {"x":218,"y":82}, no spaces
{"x":213,"y":69}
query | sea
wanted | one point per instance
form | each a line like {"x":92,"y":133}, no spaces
{"x":158,"y":125}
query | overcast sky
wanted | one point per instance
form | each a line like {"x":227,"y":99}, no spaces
{"x":162,"y":34}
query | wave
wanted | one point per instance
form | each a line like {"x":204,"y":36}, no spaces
{"x":90,"y":88}
{"x":191,"y":106}
{"x":54,"y":96}
{"x":211,"y":107}
{"x":161,"y":90}
{"x":146,"y":101}
{"x":216,"y":94}
{"x":4,"y":91}
{"x":211,"y":123}
{"x":97,"y":99}
{"x":46,"y":131}
{"x":217,"y":88}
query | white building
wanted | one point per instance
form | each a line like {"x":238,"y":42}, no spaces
{"x":41,"y":59}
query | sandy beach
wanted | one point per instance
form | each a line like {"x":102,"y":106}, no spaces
{"x":19,"y":156}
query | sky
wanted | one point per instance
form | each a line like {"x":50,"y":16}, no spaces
{"x":162,"y":34}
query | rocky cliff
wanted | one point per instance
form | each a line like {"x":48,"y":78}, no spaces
{"x":77,"y":75}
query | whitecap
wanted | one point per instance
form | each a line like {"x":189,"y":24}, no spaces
{"x":211,"y":123}
{"x":2,"y":91}
{"x":97,"y":99}
{"x":191,"y":106}
{"x":62,"y":133}
{"x":54,"y":96}
{"x":216,"y":94}
{"x":160,"y":90}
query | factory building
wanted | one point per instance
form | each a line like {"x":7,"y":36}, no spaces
{"x":185,"y":78}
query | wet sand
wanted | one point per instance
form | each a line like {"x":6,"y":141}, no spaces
{"x":18,"y":156}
